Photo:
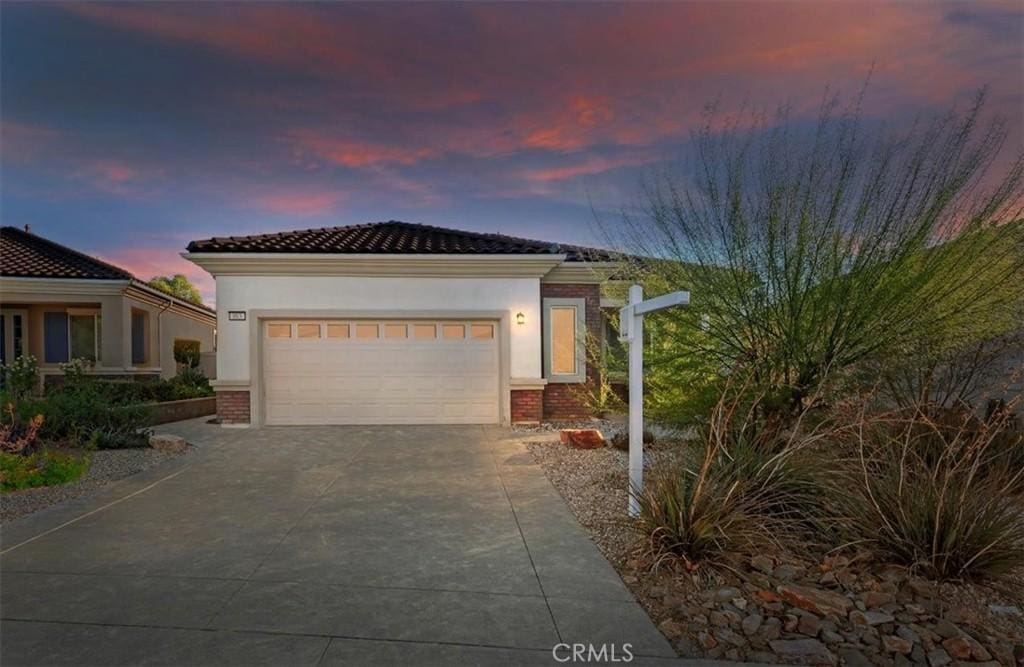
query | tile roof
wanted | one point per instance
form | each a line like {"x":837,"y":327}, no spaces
{"x":25,"y":255}
{"x":394,"y":237}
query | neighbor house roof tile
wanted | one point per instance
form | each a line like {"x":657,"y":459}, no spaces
{"x":25,"y":255}
{"x":394,"y":237}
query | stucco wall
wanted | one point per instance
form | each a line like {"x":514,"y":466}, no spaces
{"x":344,"y":293}
{"x":172,"y":325}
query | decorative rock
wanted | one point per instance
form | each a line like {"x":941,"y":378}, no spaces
{"x":908,"y":633}
{"x":875,"y":599}
{"x":671,"y":629}
{"x":945,"y":629}
{"x":871,"y":618}
{"x":762,"y":563}
{"x":938,"y":658}
{"x":740,"y":603}
{"x":809,"y":651}
{"x":896,"y":644}
{"x":729,"y":637}
{"x":831,"y":637}
{"x":787,"y":572}
{"x":1004,"y":610}
{"x":828,"y":579}
{"x":808,"y":625}
{"x":958,"y":647}
{"x":719,"y":619}
{"x":766,"y":596}
{"x":582,"y":438}
{"x":816,"y":601}
{"x":851,"y":657}
{"x":751,"y":624}
{"x":657,"y":591}
{"x":706,"y":640}
{"x":790,"y":623}
{"x":172,"y":444}
{"x":727,"y":593}
{"x":771,"y":629}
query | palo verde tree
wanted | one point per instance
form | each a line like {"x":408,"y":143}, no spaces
{"x":811,"y":253}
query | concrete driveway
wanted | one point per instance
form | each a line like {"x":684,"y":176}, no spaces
{"x":317,"y":545}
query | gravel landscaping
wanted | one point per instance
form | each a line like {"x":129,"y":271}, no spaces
{"x":834,"y":611}
{"x":108,"y":465}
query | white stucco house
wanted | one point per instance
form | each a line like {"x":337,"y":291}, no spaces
{"x":396,"y":322}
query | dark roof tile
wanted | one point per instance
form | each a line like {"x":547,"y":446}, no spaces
{"x":394,"y":237}
{"x":25,"y":255}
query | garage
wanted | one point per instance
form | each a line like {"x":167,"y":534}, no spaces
{"x":381,"y":372}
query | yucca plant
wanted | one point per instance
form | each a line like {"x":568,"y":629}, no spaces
{"x":751,"y":489}
{"x":939,"y":495}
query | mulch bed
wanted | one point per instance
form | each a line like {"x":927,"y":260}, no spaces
{"x":840,"y":610}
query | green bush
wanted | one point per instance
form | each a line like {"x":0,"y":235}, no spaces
{"x":44,"y":468}
{"x":81,"y":412}
{"x":20,"y":376}
{"x":186,"y":353}
{"x":942,"y":497}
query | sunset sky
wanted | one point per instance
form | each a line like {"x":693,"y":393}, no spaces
{"x":130,"y":129}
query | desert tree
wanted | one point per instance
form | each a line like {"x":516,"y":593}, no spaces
{"x":812,"y":248}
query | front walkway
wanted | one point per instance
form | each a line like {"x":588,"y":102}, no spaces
{"x":317,"y":545}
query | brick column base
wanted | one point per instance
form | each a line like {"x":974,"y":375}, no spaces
{"x":565,"y":402}
{"x":233,"y":407}
{"x":527,"y":406}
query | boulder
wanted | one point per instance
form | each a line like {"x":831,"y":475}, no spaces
{"x":582,"y":438}
{"x":172,"y":444}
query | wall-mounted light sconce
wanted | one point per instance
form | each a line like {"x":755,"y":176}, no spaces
{"x":520,"y":318}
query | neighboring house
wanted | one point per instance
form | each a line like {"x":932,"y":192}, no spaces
{"x":396,"y":322}
{"x":59,"y":304}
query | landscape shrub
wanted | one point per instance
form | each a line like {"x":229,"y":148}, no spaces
{"x":43,"y":468}
{"x":186,"y":353}
{"x":74,"y":415}
{"x":939,"y":494}
{"x":749,"y":493}
{"x":20,"y":376}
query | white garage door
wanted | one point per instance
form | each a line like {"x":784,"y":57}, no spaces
{"x":380,"y":372}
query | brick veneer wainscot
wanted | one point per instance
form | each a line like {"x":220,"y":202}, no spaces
{"x":561,"y":400}
{"x":527,"y":406}
{"x":233,"y":407}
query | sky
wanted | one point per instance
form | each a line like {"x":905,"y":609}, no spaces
{"x":130,"y":129}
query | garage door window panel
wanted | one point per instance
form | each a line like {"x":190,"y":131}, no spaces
{"x":277,"y":330}
{"x":308,"y":330}
{"x":367,"y":331}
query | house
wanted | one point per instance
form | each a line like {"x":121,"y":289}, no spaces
{"x":394,"y":322}
{"x":59,"y":304}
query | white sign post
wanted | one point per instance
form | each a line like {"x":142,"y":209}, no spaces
{"x":631,"y":330}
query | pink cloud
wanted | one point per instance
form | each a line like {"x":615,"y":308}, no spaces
{"x":351,"y":153}
{"x":587,"y":166}
{"x":299,"y":202}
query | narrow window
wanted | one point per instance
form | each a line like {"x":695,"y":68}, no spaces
{"x":138,"y":337}
{"x":563,"y":341}
{"x":564,"y":338}
{"x":55,"y":336}
{"x":85,"y":338}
